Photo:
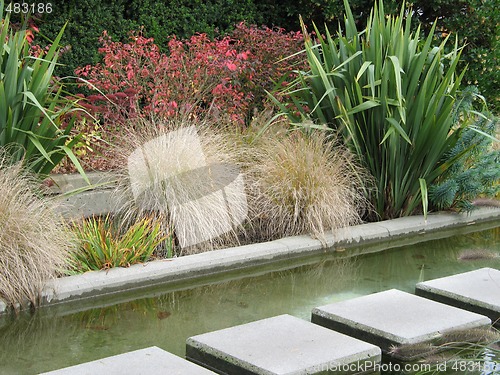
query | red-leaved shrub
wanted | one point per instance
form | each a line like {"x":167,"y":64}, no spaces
{"x":272,"y":59}
{"x":224,"y":78}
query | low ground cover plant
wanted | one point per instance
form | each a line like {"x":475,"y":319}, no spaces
{"x":102,"y":244}
{"x":36,"y":119}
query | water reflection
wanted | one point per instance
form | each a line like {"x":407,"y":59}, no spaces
{"x":57,"y":337}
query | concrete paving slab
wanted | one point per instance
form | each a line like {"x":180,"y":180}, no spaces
{"x":282,"y":345}
{"x":87,"y":204}
{"x":148,"y":361}
{"x":396,"y":318}
{"x":63,"y":183}
{"x":477,"y":291}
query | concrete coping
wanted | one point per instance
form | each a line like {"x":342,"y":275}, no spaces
{"x":152,"y":360}
{"x":217,"y":262}
{"x":282,"y":345}
{"x":477,"y":291}
{"x":394,"y":318}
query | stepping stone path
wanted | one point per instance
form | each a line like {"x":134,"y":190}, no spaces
{"x":395,"y":318}
{"x":347,"y":338}
{"x":149,"y":361}
{"x":281,"y":345}
{"x":477,"y":291}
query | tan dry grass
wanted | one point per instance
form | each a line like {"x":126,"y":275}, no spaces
{"x":34,"y":240}
{"x":303,"y":184}
{"x":176,"y":158}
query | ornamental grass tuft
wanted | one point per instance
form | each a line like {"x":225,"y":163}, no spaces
{"x":188,"y":176}
{"x":303,"y":184}
{"x":34,"y":241}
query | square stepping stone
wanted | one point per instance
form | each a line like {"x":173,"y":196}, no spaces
{"x":395,"y":318}
{"x":282,"y":345}
{"x":148,"y":361}
{"x":477,"y":291}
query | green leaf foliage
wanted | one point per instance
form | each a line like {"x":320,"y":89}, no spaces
{"x":475,"y":171}
{"x":36,"y":120}
{"x":391,"y":94}
{"x":103,"y":245}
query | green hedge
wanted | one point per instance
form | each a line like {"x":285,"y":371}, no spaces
{"x":160,"y":19}
{"x":476,"y":21}
{"x":86,"y":21}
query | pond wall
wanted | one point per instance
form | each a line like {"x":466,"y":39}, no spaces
{"x":388,"y":234}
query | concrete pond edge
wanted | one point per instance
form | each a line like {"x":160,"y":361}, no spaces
{"x":191,"y":267}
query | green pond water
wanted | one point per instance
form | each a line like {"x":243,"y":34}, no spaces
{"x":65,"y":335}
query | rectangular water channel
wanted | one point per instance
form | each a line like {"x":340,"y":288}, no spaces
{"x":65,"y":335}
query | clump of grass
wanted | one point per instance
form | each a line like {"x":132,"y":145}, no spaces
{"x":470,"y":336}
{"x":302,"y":184}
{"x":465,"y":345}
{"x":477,"y":254}
{"x":102,"y":245}
{"x":34,"y":241}
{"x":189,"y":176}
{"x":410,"y":352}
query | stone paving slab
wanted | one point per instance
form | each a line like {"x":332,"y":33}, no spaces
{"x":63,"y":183}
{"x":281,"y":345}
{"x":395,"y":318}
{"x":477,"y":291}
{"x":148,"y":361}
{"x":87,"y":204}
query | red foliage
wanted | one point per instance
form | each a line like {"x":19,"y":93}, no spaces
{"x":225,"y":77}
{"x":271,"y":50}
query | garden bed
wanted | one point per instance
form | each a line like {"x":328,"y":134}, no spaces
{"x":191,"y":267}
{"x":202,"y":156}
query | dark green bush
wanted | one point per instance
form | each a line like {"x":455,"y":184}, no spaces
{"x":88,"y":18}
{"x":86,"y":21}
{"x":477,"y":22}
{"x":186,"y":18}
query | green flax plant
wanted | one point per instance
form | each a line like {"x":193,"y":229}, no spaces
{"x":391,"y":95}
{"x":102,"y":245}
{"x":35,"y":118}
